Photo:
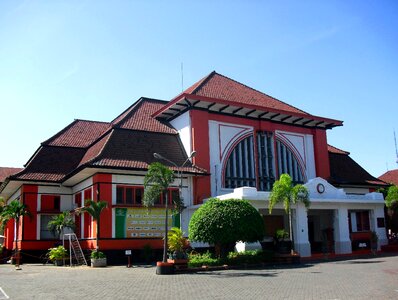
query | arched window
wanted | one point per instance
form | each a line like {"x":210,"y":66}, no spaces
{"x":240,"y":167}
{"x":288,"y":163}
{"x":245,"y":162}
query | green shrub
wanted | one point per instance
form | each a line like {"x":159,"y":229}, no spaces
{"x":97,"y":254}
{"x":205,"y":259}
{"x":246,"y":257}
{"x":223,"y":223}
{"x":57,"y":253}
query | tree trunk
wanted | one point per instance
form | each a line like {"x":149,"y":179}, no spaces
{"x":291,"y":229}
{"x":17,"y":258}
{"x":165,"y":240}
{"x":97,"y":235}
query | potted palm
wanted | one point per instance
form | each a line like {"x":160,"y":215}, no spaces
{"x":95,"y":208}
{"x":283,"y":244}
{"x":156,"y":182}
{"x":283,"y":191}
{"x":57,"y":255}
{"x":177,"y":245}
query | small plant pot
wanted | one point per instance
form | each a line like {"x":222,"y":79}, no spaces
{"x":98,"y":262}
{"x":163,"y":268}
{"x":179,"y":263}
{"x":59,"y":262}
{"x":284,"y":247}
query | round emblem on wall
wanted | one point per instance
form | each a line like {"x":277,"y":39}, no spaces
{"x":320,"y":188}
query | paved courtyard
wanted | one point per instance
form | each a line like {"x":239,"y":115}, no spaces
{"x":374,"y":278}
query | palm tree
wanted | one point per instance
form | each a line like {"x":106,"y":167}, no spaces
{"x":58,"y":223}
{"x":15,"y":210}
{"x":95,"y":209}
{"x":156,"y":182}
{"x":284,"y":192}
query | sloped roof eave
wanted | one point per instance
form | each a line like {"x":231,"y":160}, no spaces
{"x":184,"y":96}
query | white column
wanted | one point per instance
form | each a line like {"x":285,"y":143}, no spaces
{"x":300,"y":231}
{"x":342,"y":242}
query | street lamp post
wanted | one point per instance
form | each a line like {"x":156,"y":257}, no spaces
{"x":179,"y":174}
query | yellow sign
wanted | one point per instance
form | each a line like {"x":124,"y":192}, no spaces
{"x":141,"y":223}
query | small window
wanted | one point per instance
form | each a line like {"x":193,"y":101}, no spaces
{"x":46,"y":234}
{"x":50,"y":203}
{"x":363,"y":223}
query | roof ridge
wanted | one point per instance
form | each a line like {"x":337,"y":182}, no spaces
{"x":106,"y":137}
{"x":59,"y":133}
{"x":134,"y":107}
{"x":346,"y":152}
{"x":92,"y":121}
{"x":253,"y":89}
{"x":203,"y":81}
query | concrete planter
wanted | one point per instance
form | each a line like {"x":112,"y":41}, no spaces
{"x":98,"y":262}
{"x":164,"y":268}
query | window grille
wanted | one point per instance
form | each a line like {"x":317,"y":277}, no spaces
{"x":240,"y":167}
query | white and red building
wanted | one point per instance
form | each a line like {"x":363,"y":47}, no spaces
{"x":243,"y":138}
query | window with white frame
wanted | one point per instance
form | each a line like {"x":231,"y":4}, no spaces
{"x":45,"y":233}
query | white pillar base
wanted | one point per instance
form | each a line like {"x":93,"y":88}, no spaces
{"x":304,"y":249}
{"x":342,"y":247}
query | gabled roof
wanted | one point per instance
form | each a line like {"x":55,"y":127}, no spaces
{"x":139,"y":117}
{"x":128,"y":142}
{"x":6,"y":172}
{"x":78,"y":134}
{"x":133,"y":149}
{"x":390,"y":177}
{"x":218,"y":86}
{"x":345,"y":171}
{"x":219,"y":94}
{"x":51,"y":164}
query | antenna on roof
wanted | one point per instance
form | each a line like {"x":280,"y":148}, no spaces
{"x":396,"y":149}
{"x":182,"y":77}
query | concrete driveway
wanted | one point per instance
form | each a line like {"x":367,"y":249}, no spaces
{"x":374,"y":278}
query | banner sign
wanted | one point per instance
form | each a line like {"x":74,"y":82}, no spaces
{"x":140,"y":222}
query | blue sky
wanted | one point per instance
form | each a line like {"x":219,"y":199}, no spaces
{"x":66,"y":60}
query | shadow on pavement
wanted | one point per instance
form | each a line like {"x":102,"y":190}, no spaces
{"x":361,"y":262}
{"x":226,"y":274}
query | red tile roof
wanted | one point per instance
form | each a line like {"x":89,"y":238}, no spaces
{"x":95,"y":149}
{"x":218,"y":86}
{"x":78,"y":134}
{"x":51,"y":164}
{"x":139,"y":117}
{"x":333,"y":149}
{"x":130,"y":149}
{"x":5,"y":172}
{"x":390,"y":177}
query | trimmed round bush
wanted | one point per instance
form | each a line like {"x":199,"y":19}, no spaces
{"x":224,"y":222}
